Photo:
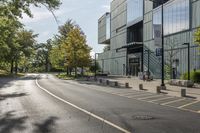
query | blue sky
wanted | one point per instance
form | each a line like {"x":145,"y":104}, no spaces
{"x":84,"y":12}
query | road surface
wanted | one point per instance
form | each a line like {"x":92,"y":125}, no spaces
{"x":41,"y":103}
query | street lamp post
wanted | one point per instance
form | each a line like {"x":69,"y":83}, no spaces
{"x":148,"y":71}
{"x":95,"y":65}
{"x":188,"y":46}
{"x":162,"y":53}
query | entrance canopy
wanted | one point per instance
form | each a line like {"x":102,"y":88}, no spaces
{"x":134,"y":47}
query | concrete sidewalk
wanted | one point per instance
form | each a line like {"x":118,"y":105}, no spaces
{"x":150,"y":86}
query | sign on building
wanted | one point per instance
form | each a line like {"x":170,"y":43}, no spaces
{"x":157,"y":34}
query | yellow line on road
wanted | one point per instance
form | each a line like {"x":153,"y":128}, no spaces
{"x":188,"y":104}
{"x":83,"y":110}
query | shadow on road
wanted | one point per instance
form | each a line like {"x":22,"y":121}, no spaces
{"x":9,"y":81}
{"x":13,"y":95}
{"x":47,"y":126}
{"x":10,"y":123}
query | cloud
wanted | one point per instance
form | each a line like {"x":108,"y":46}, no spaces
{"x":40,"y":15}
{"x":106,"y":7}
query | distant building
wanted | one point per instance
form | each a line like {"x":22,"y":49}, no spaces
{"x":128,"y":30}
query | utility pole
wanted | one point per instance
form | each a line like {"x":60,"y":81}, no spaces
{"x":188,"y":46}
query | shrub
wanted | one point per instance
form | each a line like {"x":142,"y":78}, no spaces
{"x":194,"y":75}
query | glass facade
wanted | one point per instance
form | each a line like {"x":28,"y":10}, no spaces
{"x":134,"y":10}
{"x":108,"y":26}
{"x":176,"y":16}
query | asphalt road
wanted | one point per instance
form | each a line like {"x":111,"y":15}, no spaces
{"x":51,"y":105}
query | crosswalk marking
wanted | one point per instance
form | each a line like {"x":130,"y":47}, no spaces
{"x":165,"y":98}
{"x":188,"y":104}
{"x":149,"y":97}
{"x":173,"y":101}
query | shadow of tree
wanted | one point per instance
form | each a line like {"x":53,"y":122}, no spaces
{"x":7,"y":81}
{"x":10,"y":123}
{"x":13,"y":95}
{"x":47,"y":126}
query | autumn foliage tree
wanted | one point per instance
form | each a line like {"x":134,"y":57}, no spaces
{"x":71,"y":50}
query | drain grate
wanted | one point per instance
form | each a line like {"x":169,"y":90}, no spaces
{"x":143,"y":117}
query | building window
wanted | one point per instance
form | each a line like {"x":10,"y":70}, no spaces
{"x":134,"y":10}
{"x":108,"y":26}
{"x":176,"y":16}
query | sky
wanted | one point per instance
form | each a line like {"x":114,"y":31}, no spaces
{"x":84,"y":12}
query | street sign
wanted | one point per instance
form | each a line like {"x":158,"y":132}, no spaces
{"x":157,"y":34}
{"x":158,"y":51}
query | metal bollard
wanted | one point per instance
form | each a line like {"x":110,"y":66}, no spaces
{"x":183,"y":92}
{"x":158,"y":89}
{"x":107,"y":82}
{"x":163,"y":88}
{"x":127,"y":85}
{"x":100,"y":81}
{"x":116,"y":83}
{"x":141,"y":87}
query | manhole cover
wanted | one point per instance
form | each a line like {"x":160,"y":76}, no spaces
{"x":143,"y":117}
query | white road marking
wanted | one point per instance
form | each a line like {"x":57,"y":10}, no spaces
{"x":149,"y":97}
{"x":164,"y":98}
{"x":188,"y":104}
{"x":83,"y":110}
{"x":143,"y":94}
{"x":173,"y":101}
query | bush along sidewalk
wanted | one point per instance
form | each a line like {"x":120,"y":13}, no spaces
{"x":195,"y":76}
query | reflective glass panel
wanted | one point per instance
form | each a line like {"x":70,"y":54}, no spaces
{"x":176,"y":16}
{"x":108,"y":26}
{"x":134,"y":10}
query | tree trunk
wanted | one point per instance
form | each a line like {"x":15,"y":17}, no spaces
{"x":67,"y":70}
{"x":16,"y":67}
{"x":82,"y":71}
{"x":11,"y":66}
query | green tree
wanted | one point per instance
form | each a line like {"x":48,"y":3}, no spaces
{"x":77,"y":50}
{"x":197,"y":36}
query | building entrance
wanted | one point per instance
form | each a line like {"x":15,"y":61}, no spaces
{"x":134,"y":66}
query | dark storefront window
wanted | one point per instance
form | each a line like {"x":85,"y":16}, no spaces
{"x":134,"y":10}
{"x":135,"y":33}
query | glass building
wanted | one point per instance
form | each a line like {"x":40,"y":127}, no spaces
{"x":131,"y":31}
